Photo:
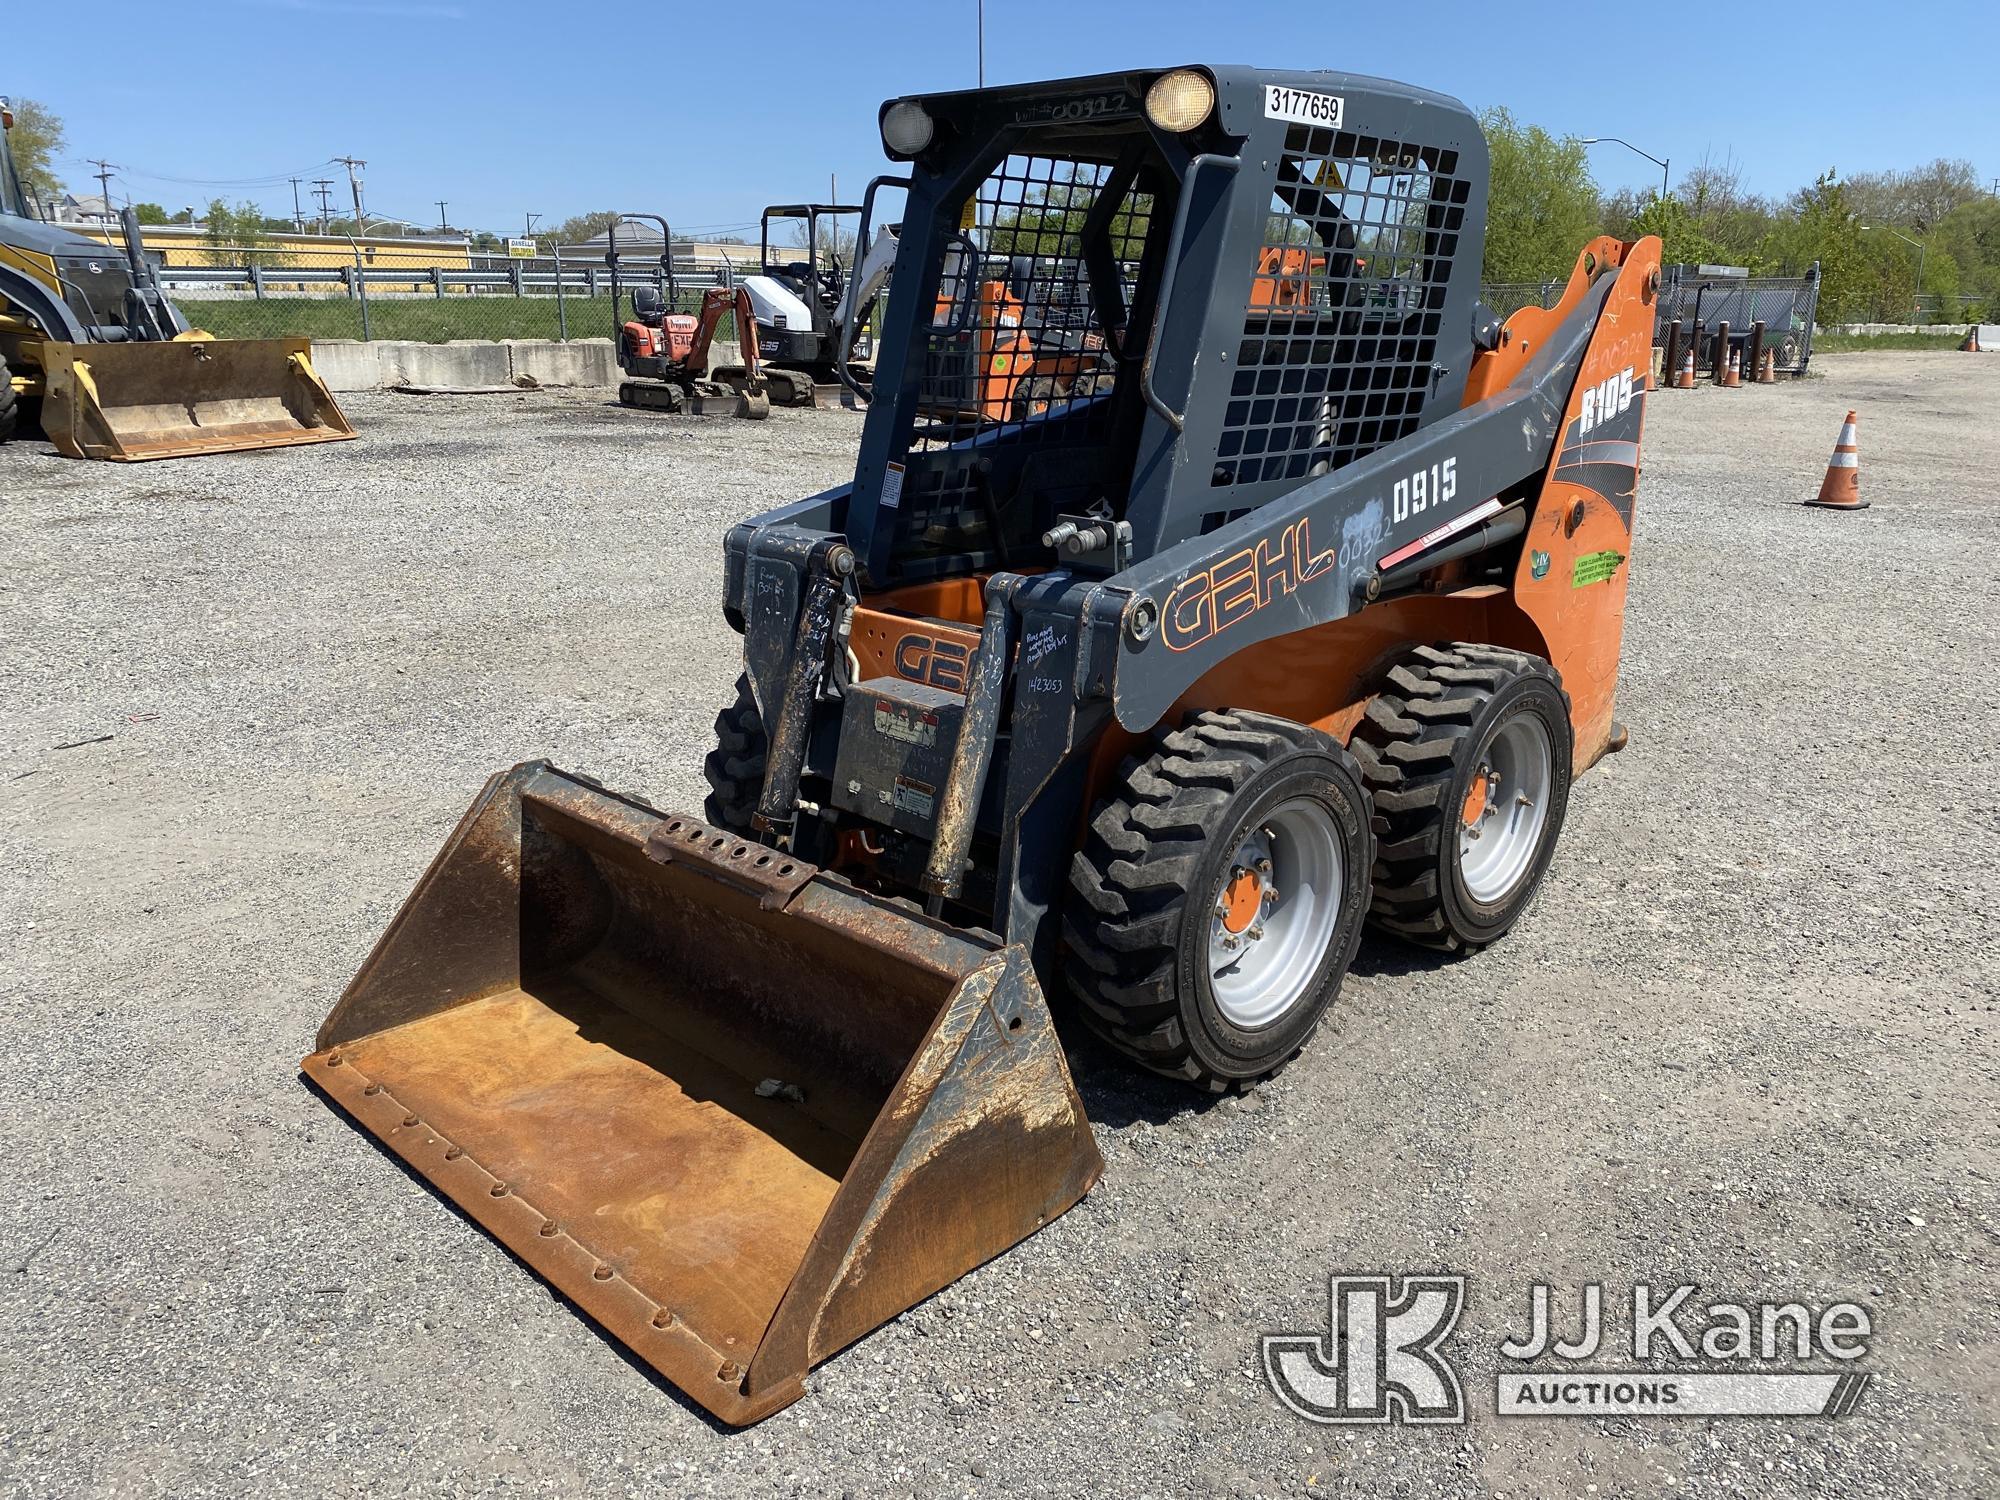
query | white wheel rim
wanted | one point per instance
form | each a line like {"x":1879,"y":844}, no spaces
{"x":1259,"y":969}
{"x":1498,"y":838}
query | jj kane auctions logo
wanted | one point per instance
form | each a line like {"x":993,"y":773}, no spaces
{"x":1383,"y":1356}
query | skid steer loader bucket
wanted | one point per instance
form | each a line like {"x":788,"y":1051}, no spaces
{"x":739,"y":1111}
{"x":192,"y":395}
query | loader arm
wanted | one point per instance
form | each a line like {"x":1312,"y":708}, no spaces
{"x":716,"y":304}
{"x":1310,"y":557}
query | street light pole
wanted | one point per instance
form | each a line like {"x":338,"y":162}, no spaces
{"x":1660,"y":162}
{"x":1916,"y":299}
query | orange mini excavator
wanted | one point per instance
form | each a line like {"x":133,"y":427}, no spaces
{"x":664,"y":354}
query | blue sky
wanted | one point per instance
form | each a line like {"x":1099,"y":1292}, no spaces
{"x":502,"y":107}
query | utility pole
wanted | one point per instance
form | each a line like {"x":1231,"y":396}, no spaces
{"x":298,"y":214}
{"x":982,"y":42}
{"x":323,"y":189}
{"x":103,"y":175}
{"x":444,"y":222}
{"x":354,"y":186}
{"x":528,"y":225}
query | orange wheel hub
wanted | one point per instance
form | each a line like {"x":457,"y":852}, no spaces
{"x":1241,"y":900}
{"x":1475,"y":802}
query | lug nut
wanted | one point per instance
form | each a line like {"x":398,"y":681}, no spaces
{"x":1255,"y":933}
{"x":1263,"y":867}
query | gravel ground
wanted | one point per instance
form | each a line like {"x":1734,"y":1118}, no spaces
{"x":1745,"y":1038}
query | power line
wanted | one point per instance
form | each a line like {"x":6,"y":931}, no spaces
{"x":268,"y":181}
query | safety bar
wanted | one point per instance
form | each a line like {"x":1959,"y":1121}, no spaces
{"x":853,"y":299}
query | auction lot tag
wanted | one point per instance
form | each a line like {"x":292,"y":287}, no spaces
{"x":1281,"y":103}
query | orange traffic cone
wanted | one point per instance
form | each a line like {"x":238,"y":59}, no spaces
{"x":1971,"y":344}
{"x":1767,"y":368}
{"x":1841,"y":489}
{"x":1685,"y":380}
{"x":1732,"y":377}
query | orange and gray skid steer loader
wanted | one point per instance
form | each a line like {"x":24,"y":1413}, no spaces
{"x":1140,"y":698}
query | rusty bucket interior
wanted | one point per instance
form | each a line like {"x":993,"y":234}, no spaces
{"x":739,"y":1111}
{"x":195,"y":395}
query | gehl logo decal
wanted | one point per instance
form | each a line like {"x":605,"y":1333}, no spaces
{"x":1205,"y":604}
{"x":938,"y":663}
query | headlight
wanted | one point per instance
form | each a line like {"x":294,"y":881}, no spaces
{"x":906,"y":128}
{"x":1180,"y":100}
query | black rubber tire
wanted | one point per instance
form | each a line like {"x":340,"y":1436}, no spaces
{"x":1135,"y":921}
{"x":735,"y":767}
{"x":1034,"y":396}
{"x":1419,"y":744}
{"x":10,"y":405}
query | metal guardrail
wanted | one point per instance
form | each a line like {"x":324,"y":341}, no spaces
{"x":588,"y":279}
{"x":543,"y":298}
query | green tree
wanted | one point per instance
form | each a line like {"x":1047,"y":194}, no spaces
{"x":580,"y":227}
{"x":1820,"y":225}
{"x":1922,"y":197}
{"x":1050,"y":218}
{"x":232,"y":233}
{"x":1681,"y":239}
{"x":150,"y":213}
{"x":37,"y":140}
{"x":1542,"y":206}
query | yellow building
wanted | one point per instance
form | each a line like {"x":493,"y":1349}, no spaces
{"x":188,"y":245}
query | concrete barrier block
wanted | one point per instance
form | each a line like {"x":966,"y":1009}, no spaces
{"x":582,"y":362}
{"x":351,"y":365}
{"x":347,"y":364}
{"x":461,"y":362}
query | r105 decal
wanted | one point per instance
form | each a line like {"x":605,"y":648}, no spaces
{"x":1605,"y":400}
{"x":1415,"y":493}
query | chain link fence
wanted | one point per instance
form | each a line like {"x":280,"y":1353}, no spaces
{"x":567,"y":295}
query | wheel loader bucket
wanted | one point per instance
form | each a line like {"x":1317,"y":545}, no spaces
{"x":737,"y":1110}
{"x":193,"y":395}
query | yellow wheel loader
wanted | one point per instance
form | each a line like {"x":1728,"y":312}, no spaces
{"x":87,"y":337}
{"x":1297,"y":610}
